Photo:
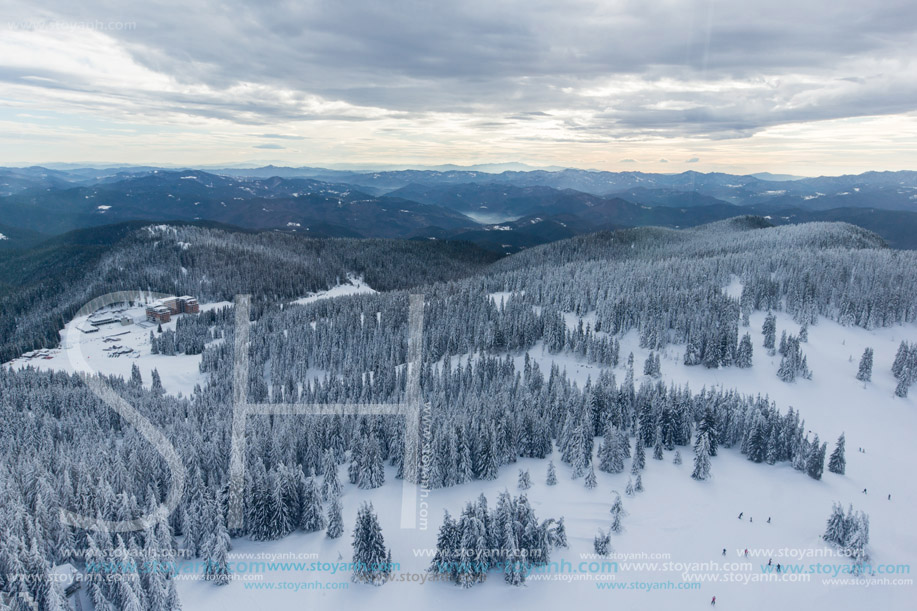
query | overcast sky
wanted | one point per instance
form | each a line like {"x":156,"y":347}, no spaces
{"x":802,"y":87}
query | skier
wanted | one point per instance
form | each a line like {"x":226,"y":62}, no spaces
{"x":778,"y":567}
{"x":746,"y":552}
{"x":770,"y":561}
{"x":724,"y":551}
{"x":740,"y":514}
{"x":768,"y":519}
{"x":889,"y":497}
{"x":864,"y":490}
{"x":751,"y":519}
{"x":713,"y":601}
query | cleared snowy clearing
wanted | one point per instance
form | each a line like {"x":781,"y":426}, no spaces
{"x":129,"y":345}
{"x":353,"y":286}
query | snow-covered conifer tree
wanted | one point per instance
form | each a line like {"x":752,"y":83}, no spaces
{"x":865,"y":372}
{"x":591,"y":481}
{"x":602,"y":543}
{"x":335,"y":519}
{"x":837,"y":463}
{"x":702,"y":458}
{"x":525,"y":481}
{"x":371,"y":559}
{"x":552,"y":474}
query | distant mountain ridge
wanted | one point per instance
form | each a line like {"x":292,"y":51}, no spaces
{"x":504,"y":211}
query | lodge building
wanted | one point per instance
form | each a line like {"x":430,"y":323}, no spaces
{"x":162,"y":310}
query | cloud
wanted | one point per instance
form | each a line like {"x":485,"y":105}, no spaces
{"x":280,"y":136}
{"x":275,"y":147}
{"x":663,"y":161}
{"x":584,"y":71}
{"x":693,"y":160}
{"x":628,"y":161}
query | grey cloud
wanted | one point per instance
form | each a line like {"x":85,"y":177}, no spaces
{"x":269,"y":146}
{"x":693,"y":160}
{"x":520,"y":60}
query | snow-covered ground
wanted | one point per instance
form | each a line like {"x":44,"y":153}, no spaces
{"x":112,"y":349}
{"x":353,"y":286}
{"x":676,"y":520}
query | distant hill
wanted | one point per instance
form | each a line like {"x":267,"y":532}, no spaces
{"x":504,"y":212}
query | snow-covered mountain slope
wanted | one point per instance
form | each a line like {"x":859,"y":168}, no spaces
{"x":670,"y":554}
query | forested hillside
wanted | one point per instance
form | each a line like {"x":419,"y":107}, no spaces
{"x":488,"y":405}
{"x":41,"y":288}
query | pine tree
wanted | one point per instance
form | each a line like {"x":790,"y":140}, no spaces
{"x":658,"y":445}
{"x":708,"y":425}
{"x":552,"y":474}
{"x":371,"y":559}
{"x":837,"y":463}
{"x":691,"y":355}
{"x":488,"y":457}
{"x":525,"y":481}
{"x":335,"y":519}
{"x":445,"y":561}
{"x":560,"y":534}
{"x":639,"y":454}
{"x":617,"y":512}
{"x":136,"y":379}
{"x":331,"y":485}
{"x":677,"y":459}
{"x":769,"y":329}
{"x":901,"y":358}
{"x":702,"y":458}
{"x":602,"y":543}
{"x":370,"y":472}
{"x":815,"y":464}
{"x":648,"y":365}
{"x":611,"y":453}
{"x":312,"y":515}
{"x":638,"y":485}
{"x":836,"y":529}
{"x":902,"y":388}
{"x":156,"y":385}
{"x":745,"y":352}
{"x":216,"y":551}
{"x":629,"y":489}
{"x":514,"y":568}
{"x":590,"y":478}
{"x":865,"y":372}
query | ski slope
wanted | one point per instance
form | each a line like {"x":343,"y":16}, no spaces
{"x":677,"y":528}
